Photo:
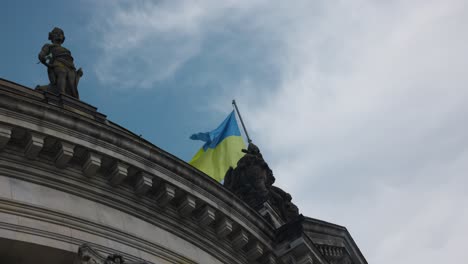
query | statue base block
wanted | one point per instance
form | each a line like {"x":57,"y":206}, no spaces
{"x":74,"y":105}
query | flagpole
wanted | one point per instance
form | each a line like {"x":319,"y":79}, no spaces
{"x":242,"y":122}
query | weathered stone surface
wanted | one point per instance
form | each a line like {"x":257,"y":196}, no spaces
{"x":166,"y":194}
{"x":5,"y":135}
{"x":291,"y":230}
{"x":187,"y":204}
{"x":87,"y":255}
{"x":224,"y":227}
{"x":240,"y":239}
{"x":64,"y":154}
{"x":143,"y":183}
{"x":254,"y":250}
{"x":288,"y":259}
{"x":272,"y":216}
{"x":207,"y":215}
{"x":118,"y":173}
{"x":34,"y":145}
{"x":92,"y":164}
{"x":306,"y":259}
{"x":269,"y":259}
{"x":333,"y":254}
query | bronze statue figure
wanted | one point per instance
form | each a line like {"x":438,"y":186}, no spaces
{"x":61,"y":70}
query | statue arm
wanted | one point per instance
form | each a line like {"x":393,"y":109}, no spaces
{"x":43,"y":53}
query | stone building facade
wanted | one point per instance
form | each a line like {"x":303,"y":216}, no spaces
{"x":77,"y":188}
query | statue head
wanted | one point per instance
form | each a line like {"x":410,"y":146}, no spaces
{"x":57,"y":36}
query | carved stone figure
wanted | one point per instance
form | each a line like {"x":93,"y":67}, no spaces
{"x":252,"y":181}
{"x":61,"y":70}
{"x":114,"y":259}
{"x":88,"y":255}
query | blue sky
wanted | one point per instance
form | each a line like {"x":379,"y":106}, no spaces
{"x":166,"y":106}
{"x":358,"y":106}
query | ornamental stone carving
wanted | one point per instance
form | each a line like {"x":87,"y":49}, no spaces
{"x":252,"y":181}
{"x":88,"y":255}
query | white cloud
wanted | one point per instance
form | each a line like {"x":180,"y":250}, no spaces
{"x":366,"y":129}
{"x":366,"y":126}
{"x":144,"y":42}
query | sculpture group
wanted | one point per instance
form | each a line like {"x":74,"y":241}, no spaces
{"x":252,"y":181}
{"x":61,"y":70}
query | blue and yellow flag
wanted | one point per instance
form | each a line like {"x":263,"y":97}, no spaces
{"x":222,"y":149}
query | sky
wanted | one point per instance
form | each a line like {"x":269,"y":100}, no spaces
{"x":359,"y":107}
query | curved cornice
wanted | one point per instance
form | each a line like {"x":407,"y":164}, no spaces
{"x":66,"y":145}
{"x":332,"y":234}
{"x":128,"y":157}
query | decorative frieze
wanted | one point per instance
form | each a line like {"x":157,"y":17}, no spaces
{"x":144,"y":182}
{"x":34,"y":145}
{"x":64,"y":154}
{"x":5,"y":135}
{"x":118,"y":173}
{"x":331,"y":251}
{"x":92,"y":164}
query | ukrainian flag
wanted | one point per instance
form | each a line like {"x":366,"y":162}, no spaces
{"x":222,"y":149}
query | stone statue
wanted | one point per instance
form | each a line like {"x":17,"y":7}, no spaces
{"x":252,"y":181}
{"x":88,"y":255}
{"x":114,"y":259}
{"x":61,"y":70}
